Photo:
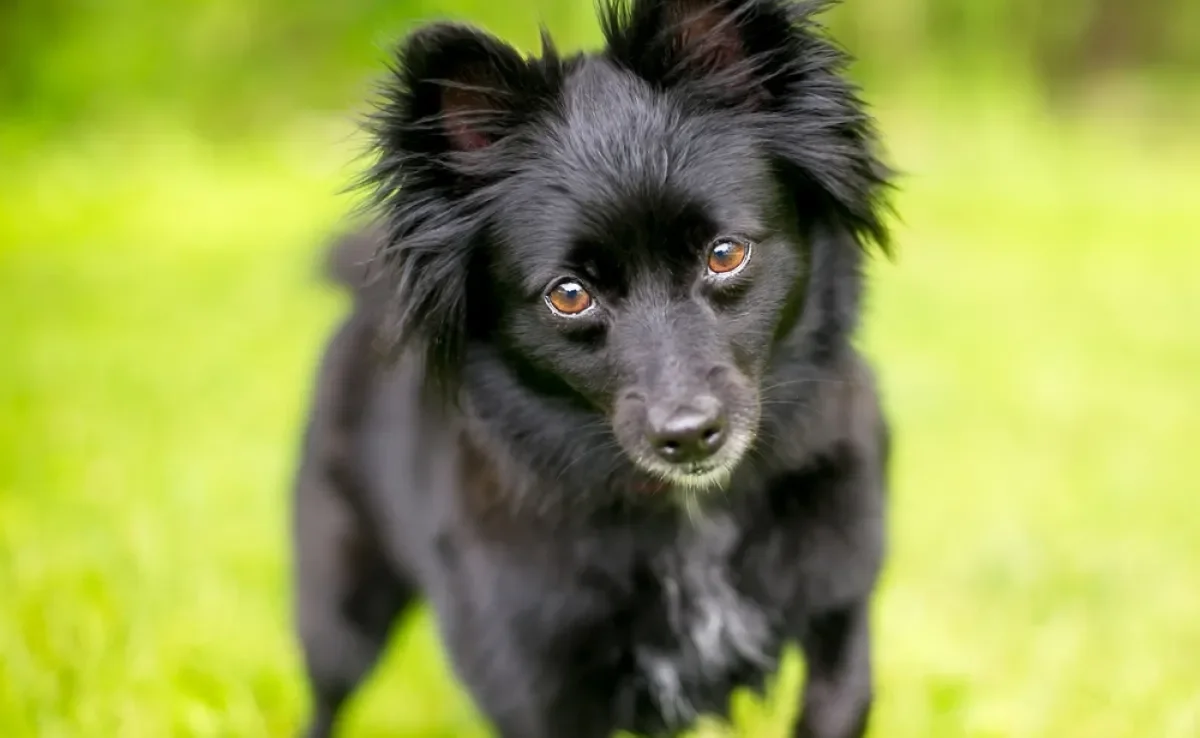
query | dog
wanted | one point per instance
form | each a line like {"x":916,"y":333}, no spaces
{"x":597,"y":400}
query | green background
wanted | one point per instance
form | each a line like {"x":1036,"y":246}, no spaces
{"x":169,"y":172}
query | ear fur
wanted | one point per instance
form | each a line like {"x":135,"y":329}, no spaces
{"x":454,"y":97}
{"x":456,"y":89}
{"x":772,"y":61}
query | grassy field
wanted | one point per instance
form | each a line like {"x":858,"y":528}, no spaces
{"x":1039,"y":337}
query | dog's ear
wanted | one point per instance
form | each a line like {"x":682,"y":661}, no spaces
{"x":451,"y":102}
{"x":455,"y":89}
{"x":729,"y":50}
{"x":772,"y":59}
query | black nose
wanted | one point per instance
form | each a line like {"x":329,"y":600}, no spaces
{"x":693,"y":432}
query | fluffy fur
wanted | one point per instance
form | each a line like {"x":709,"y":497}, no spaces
{"x":518,"y":466}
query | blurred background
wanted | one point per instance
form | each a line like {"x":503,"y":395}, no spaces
{"x":170,"y":170}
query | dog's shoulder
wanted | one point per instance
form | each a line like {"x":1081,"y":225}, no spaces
{"x":815,"y":538}
{"x":825,"y":412}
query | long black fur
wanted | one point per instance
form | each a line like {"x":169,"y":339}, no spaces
{"x":469,"y":446}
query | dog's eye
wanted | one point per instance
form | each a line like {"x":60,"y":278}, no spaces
{"x":568,"y":297}
{"x":727,"y":256}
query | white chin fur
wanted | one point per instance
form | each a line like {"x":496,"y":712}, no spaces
{"x":716,"y":479}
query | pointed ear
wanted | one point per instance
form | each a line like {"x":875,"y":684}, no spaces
{"x":454,"y":88}
{"x":452,"y":91}
{"x":772,"y":57}
{"x":454,"y":99}
{"x":721,"y":48}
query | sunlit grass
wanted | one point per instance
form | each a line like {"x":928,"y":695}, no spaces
{"x":1038,"y":336}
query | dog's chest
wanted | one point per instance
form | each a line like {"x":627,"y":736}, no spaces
{"x":709,"y":636}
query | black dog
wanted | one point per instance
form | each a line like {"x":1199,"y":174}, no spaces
{"x":624,"y":446}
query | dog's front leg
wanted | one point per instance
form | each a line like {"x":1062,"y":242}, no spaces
{"x":838,"y":687}
{"x":561,"y":718}
{"x":533,"y":698}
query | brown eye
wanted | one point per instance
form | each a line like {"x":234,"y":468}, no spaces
{"x":727,"y":256}
{"x":569,"y":298}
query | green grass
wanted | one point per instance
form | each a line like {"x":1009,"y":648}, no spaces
{"x":1039,"y":343}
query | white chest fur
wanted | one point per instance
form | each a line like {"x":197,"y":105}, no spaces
{"x":714,"y":627}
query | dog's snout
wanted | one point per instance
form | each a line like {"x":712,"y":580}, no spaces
{"x":689,"y":433}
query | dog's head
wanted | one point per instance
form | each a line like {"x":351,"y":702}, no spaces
{"x":625,"y":232}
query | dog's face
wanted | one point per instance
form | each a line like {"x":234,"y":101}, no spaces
{"x":626,"y":229}
{"x":643,"y":255}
